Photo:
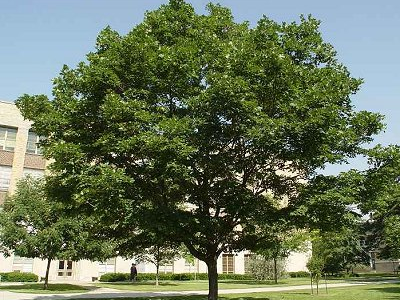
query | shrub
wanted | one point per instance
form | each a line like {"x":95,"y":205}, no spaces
{"x":18,"y":277}
{"x":113,"y":277}
{"x":202,"y":276}
{"x":172,"y":276}
{"x":263,"y":269}
{"x":235,"y":276}
{"x":299,"y":274}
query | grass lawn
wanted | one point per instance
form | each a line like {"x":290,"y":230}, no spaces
{"x":198,"y":284}
{"x":222,"y":284}
{"x":37,"y":288}
{"x":368,"y":292}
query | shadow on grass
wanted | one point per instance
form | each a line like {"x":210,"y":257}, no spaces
{"x":252,"y":282}
{"x":141,"y":283}
{"x":389,"y":289}
{"x":238,"y":298}
{"x":39,"y":287}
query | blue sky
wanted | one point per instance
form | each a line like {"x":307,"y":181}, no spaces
{"x":38,"y":37}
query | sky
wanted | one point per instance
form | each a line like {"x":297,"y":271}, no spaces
{"x":39,"y":37}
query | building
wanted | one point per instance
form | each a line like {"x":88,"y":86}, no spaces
{"x":19,"y":156}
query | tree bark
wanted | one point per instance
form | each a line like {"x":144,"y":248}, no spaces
{"x":46,"y":278}
{"x":157,"y":273}
{"x":212,"y":279}
{"x":275,"y":270}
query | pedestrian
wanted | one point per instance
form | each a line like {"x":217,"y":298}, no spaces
{"x":133,"y":273}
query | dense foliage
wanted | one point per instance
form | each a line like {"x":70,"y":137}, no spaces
{"x":34,"y":225}
{"x":380,"y":199}
{"x":18,"y":277}
{"x":263,"y":269}
{"x":201,"y":128}
{"x":339,"y":251}
{"x":114,"y":277}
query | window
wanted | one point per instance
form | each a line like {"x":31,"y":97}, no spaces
{"x":189,"y":265}
{"x":7,"y":138}
{"x":5,"y":176}
{"x":33,"y":173}
{"x":64,"y":268}
{"x":228,"y":263}
{"x":247,"y":258}
{"x":107,"y":267}
{"x":22,"y":264}
{"x":167,"y":267}
{"x":32,"y":146}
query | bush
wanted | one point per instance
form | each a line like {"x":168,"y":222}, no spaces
{"x":235,"y":276}
{"x":299,"y":274}
{"x":202,"y":276}
{"x":18,"y":277}
{"x":263,"y":269}
{"x":113,"y":277}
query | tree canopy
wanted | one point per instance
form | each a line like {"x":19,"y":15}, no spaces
{"x":200,"y":127}
{"x":380,"y":199}
{"x":33,"y":226}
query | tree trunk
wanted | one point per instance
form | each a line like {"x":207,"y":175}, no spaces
{"x":275,"y":270}
{"x":157,"y":273}
{"x":197,"y":269}
{"x":46,"y":278}
{"x":212,"y":279}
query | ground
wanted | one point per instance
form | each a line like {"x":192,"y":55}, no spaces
{"x":382,"y":288}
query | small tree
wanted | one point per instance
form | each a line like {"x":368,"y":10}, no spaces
{"x":189,"y":258}
{"x":315,"y":265}
{"x":159,"y":254}
{"x":341,"y":250}
{"x":31,"y":225}
{"x":277,"y":248}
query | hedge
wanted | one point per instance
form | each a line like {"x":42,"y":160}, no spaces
{"x":113,"y":277}
{"x":235,"y":277}
{"x":299,"y":274}
{"x":18,"y":277}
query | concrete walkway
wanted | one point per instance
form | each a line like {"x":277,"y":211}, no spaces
{"x":112,"y":293}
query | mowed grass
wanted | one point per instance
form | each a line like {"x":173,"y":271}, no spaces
{"x":222,"y":284}
{"x":198,"y":284}
{"x":37,"y":288}
{"x":367,"y":292}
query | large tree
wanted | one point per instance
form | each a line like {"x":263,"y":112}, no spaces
{"x":189,"y":123}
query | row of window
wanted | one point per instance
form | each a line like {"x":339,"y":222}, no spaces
{"x":64,"y":268}
{"x":5,"y":175}
{"x":8,"y":138}
{"x":228,"y":263}
{"x":23,"y":264}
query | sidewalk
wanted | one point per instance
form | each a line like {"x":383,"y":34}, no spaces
{"x":112,"y":293}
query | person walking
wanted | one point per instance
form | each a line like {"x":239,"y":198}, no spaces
{"x":133,"y":273}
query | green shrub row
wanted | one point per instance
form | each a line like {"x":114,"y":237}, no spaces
{"x":114,"y":277}
{"x":18,"y":277}
{"x":299,"y":274}
{"x":235,"y":277}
